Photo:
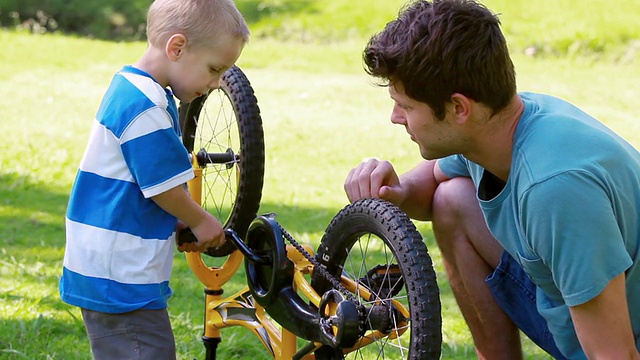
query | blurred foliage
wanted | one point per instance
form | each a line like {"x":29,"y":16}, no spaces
{"x":296,"y":20}
{"x":256,"y":10}
{"x":597,"y":28}
{"x":117,"y":19}
{"x":113,"y":19}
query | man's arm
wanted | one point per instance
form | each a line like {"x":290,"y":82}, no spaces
{"x":420,"y":184}
{"x":603,"y":324}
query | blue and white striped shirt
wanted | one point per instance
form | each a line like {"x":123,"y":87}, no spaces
{"x":119,"y":249}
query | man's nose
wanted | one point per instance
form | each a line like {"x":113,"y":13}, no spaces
{"x":398,"y":116}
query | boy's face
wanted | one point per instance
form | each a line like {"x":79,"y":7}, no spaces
{"x":199,"y":69}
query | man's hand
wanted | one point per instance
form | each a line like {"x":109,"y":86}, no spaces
{"x":412,"y":191}
{"x":374,"y":179}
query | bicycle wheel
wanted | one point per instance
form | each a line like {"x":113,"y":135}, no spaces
{"x":224,"y":128}
{"x":375,"y":244}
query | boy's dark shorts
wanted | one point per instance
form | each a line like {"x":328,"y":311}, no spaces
{"x":516,"y":294}
{"x":141,"y":334}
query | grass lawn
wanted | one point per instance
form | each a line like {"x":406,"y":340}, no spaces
{"x":321,"y":115}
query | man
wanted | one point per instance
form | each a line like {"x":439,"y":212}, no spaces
{"x":534,"y":204}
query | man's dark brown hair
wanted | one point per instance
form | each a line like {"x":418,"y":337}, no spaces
{"x":438,"y":48}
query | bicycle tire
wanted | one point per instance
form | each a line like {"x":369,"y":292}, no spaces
{"x":228,"y":118}
{"x":359,"y":227}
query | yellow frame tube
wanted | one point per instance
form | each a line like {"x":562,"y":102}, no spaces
{"x":212,"y":278}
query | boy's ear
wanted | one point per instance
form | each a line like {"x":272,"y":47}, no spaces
{"x":175,"y":46}
{"x":461,"y":107}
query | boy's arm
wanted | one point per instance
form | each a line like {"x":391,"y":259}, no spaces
{"x":603,"y":324}
{"x":205,"y":227}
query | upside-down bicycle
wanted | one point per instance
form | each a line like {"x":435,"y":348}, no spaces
{"x":369,"y":291}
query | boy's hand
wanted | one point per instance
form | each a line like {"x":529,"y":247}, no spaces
{"x":207,"y":234}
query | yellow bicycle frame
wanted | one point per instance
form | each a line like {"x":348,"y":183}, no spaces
{"x":240,"y":309}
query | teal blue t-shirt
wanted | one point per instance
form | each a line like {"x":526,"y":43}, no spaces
{"x":569,"y":212}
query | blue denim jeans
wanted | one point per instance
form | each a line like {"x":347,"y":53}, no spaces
{"x":516,"y":295}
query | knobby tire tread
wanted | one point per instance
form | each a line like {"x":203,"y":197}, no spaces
{"x":389,"y":223}
{"x":238,"y":89}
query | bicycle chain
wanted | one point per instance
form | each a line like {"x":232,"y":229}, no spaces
{"x":325,"y":273}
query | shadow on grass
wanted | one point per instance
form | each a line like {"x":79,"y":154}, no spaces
{"x":31,"y":213}
{"x":43,"y":337}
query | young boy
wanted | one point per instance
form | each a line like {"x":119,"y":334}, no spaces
{"x":129,"y":191}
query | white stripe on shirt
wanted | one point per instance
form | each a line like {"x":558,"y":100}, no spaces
{"x":147,"y":122}
{"x":106,"y":254}
{"x":103,"y":155}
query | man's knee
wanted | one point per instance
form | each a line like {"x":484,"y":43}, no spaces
{"x":459,"y":226}
{"x":452,"y":199}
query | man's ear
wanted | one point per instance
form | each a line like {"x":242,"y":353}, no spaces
{"x":175,"y":46}
{"x":461,"y":107}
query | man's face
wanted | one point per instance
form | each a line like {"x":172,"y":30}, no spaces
{"x":435,"y":138}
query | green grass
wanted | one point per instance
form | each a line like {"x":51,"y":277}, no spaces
{"x":321,"y":116}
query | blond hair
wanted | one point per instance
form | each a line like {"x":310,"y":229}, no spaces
{"x":201,"y":21}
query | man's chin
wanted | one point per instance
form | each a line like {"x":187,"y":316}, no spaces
{"x":431,"y":155}
{"x":427,"y":155}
